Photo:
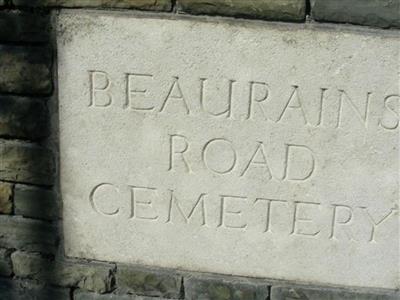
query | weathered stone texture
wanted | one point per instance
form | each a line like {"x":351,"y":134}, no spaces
{"x":26,"y":163}
{"x":24,"y":27}
{"x":207,"y":288}
{"x":81,"y":295}
{"x":284,"y":293}
{"x":25,"y":70}
{"x":381,"y":13}
{"x":23,"y":118}
{"x":97,"y":277}
{"x":25,"y":234}
{"x":284,"y":10}
{"x":25,"y":290}
{"x":6,"y":204}
{"x":138,"y":4}
{"x":144,"y":282}
{"x":35,"y":202}
{"x":5,"y":263}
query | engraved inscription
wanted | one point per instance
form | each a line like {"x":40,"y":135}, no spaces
{"x":233,"y":212}
{"x":336,"y":107}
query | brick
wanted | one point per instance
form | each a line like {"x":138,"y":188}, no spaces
{"x":23,"y":118}
{"x":300,"y":293}
{"x":34,"y":202}
{"x":94,"y":276}
{"x":380,"y":13}
{"x":202,"y":288}
{"x":25,"y":290}
{"x":24,"y":27}
{"x":137,"y":4}
{"x":282,"y":10}
{"x":147,"y":282}
{"x":26,"y":163}
{"x":6,"y":192}
{"x":25,"y":70}
{"x":5,"y":262}
{"x":81,"y":295}
{"x":29,"y":235}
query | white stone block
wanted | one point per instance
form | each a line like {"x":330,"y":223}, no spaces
{"x":246,"y":148}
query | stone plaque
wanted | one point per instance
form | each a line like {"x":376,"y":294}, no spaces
{"x":245,"y":148}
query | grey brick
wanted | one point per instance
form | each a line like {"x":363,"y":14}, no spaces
{"x":25,"y":290}
{"x":23,"y":118}
{"x":6,"y":193}
{"x":35,"y":202}
{"x":25,"y":70}
{"x":5,"y":262}
{"x":24,"y":27}
{"x":26,"y":163}
{"x":137,"y":4}
{"x":25,"y":234}
{"x":204,"y":288}
{"x":144,"y":282}
{"x":300,"y":293}
{"x":380,"y":13}
{"x":94,"y":276}
{"x":282,"y":10}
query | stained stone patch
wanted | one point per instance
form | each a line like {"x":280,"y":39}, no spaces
{"x":6,"y":202}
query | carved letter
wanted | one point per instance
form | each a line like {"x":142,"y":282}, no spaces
{"x":93,"y":201}
{"x":307,"y":171}
{"x":394,"y":124}
{"x":99,"y":88}
{"x":253,"y":99}
{"x":225,"y":212}
{"x":146,"y":204}
{"x":269,"y":210}
{"x":216,"y":168}
{"x":298,"y":105}
{"x":174,"y":139}
{"x":131,"y":92}
{"x":175,"y":93}
{"x":228,"y":109}
{"x":376,"y":224}
{"x":336,"y":221}
{"x":321,"y":107}
{"x":296,"y":218}
{"x":200,"y":202}
{"x":363,"y":117}
{"x":257,"y":161}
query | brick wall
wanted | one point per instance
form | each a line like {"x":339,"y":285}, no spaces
{"x":32,"y":265}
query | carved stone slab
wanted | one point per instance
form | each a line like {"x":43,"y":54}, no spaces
{"x":246,"y":148}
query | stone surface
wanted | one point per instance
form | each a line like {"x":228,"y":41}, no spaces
{"x":23,"y":118}
{"x":381,"y":13}
{"x":29,"y":235}
{"x":217,"y":289}
{"x":25,"y":70}
{"x":25,"y":290}
{"x":24,"y":27}
{"x":81,"y":295}
{"x":138,"y":4}
{"x":6,"y":203}
{"x":97,"y":277}
{"x":26,"y":163}
{"x":285,"y":10}
{"x":297,"y":176}
{"x":5,"y":262}
{"x":301,"y":293}
{"x":35,"y":202}
{"x":143,"y":282}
